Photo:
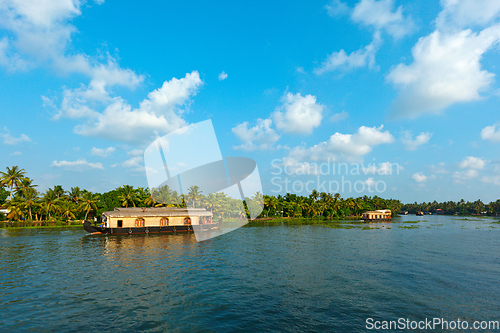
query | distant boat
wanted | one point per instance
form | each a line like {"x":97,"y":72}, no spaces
{"x":377,"y":215}
{"x":420,"y":213}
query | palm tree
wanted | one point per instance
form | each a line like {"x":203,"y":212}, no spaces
{"x":11,"y":178}
{"x":128,"y":196}
{"x":194,"y":194}
{"x":314,"y":195}
{"x":15,"y":209}
{"x":25,"y":183}
{"x":75,"y":195}
{"x":31,"y":200}
{"x":89,"y":202}
{"x":67,"y":211}
{"x":50,"y":202}
{"x":59,"y":191}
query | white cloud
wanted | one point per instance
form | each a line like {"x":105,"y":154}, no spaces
{"x":380,"y":15}
{"x":102,"y":152}
{"x":341,"y":147}
{"x":491,"y":180}
{"x":339,"y":116}
{"x":16,"y":153}
{"x":337,"y":8}
{"x":459,"y":176}
{"x":222,"y":76}
{"x":370,"y":182}
{"x":467,"y":13}
{"x":39,"y":34}
{"x":386,"y":168}
{"x":11,"y":60}
{"x":298,"y":114}
{"x":135,"y":163}
{"x":360,"y":58}
{"x":12,"y":140}
{"x":160,"y":113}
{"x":135,"y":152}
{"x":259,"y":137}
{"x":412,"y":144}
{"x":438,"y":168}
{"x":446,"y":70}
{"x":491,"y":133}
{"x":78,"y":165}
{"x":419,"y":177}
{"x":471,"y":162}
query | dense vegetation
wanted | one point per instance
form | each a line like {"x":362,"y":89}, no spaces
{"x":19,"y":195}
{"x":461,"y":207}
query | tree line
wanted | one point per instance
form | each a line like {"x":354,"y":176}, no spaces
{"x":461,"y":207}
{"x":20,"y":196}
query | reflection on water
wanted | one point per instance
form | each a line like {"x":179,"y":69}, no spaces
{"x":266,"y":277}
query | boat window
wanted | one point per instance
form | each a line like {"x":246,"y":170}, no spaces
{"x":164,"y":221}
{"x":139,"y":222}
{"x":187,"y":220}
{"x":120,"y":223}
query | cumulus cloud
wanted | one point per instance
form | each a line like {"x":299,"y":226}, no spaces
{"x":222,"y":76}
{"x":467,"y":13}
{"x":78,"y":165}
{"x":471,"y":162}
{"x":491,"y":133}
{"x":341,"y":147}
{"x":419,"y":177}
{"x":460,"y":176}
{"x":161,"y":112}
{"x":298,"y":114}
{"x":360,"y":58}
{"x":12,"y":140}
{"x":380,"y":15}
{"x":259,"y":137}
{"x":102,"y":152}
{"x":446,"y":70}
{"x":39,"y":34}
{"x":412,"y":144}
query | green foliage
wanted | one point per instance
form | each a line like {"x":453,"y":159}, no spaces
{"x":4,"y":194}
{"x":57,"y":204}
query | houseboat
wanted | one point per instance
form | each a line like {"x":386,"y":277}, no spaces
{"x":151,"y":220}
{"x":377,"y":215}
{"x":420,"y":213}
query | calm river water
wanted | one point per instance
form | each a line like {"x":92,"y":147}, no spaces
{"x":286,"y":278}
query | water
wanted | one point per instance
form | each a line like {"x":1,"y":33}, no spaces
{"x":287,"y":278}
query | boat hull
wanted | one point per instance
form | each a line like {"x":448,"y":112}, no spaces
{"x":97,"y":230}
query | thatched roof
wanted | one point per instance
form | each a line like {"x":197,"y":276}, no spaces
{"x":157,"y":212}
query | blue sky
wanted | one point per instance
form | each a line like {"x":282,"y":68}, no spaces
{"x":404,"y":92}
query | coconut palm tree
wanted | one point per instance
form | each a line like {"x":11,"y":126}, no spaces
{"x":11,"y":178}
{"x":75,"y":195}
{"x":89,"y":202}
{"x":31,"y":201}
{"x":67,"y":211}
{"x":59,"y":191}
{"x":25,"y":183}
{"x":194,"y":194}
{"x":128,"y":196}
{"x":50,"y":202}
{"x":15,"y":208}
